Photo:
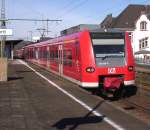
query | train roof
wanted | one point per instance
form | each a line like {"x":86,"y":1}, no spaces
{"x":73,"y":36}
{"x":108,"y":30}
{"x":57,"y":39}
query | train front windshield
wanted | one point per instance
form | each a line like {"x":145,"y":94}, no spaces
{"x":109,"y":49}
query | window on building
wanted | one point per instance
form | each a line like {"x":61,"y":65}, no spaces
{"x":146,"y":41}
{"x":140,"y":46}
{"x":143,"y":43}
{"x":143,"y":25}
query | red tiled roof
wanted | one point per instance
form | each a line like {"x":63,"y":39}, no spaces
{"x":127,"y":17}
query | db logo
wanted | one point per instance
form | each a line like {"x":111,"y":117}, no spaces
{"x":111,"y":70}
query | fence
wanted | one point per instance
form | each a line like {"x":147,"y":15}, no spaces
{"x":142,"y":61}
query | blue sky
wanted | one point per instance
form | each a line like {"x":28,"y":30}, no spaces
{"x":72,"y":12}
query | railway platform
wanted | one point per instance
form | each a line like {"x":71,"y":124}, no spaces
{"x":34,"y":99}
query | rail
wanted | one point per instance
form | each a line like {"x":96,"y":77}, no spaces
{"x":135,"y":105}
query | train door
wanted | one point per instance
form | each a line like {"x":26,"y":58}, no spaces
{"x":77,"y":61}
{"x":48,"y":56}
{"x":60,"y":59}
{"x":38,"y":55}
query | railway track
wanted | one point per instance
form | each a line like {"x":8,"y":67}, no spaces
{"x":142,"y":98}
{"x":137,"y":106}
{"x":129,"y":104}
{"x":143,"y":80}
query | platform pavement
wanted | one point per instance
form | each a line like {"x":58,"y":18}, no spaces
{"x":16,"y":111}
{"x":27,"y":102}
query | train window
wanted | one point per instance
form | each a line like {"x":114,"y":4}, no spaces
{"x":45,"y":54}
{"x":67,"y":57}
{"x":26,"y":53}
{"x":56,"y":56}
{"x":40,"y":53}
{"x":52,"y":55}
{"x":109,"y":49}
{"x":64,"y":58}
{"x":31,"y":53}
{"x":48,"y":54}
{"x":108,"y":46}
{"x":106,"y":35}
{"x":77,"y":49}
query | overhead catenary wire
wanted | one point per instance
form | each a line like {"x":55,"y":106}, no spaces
{"x":25,"y":19}
{"x":70,"y":10}
{"x":73,"y":8}
{"x":71,"y":2}
{"x":47,"y":20}
{"x":69,"y":7}
{"x":41,"y":20}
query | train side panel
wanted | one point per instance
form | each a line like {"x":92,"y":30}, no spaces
{"x":129,"y":78}
{"x":88,"y":68}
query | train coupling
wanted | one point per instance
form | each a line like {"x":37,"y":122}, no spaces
{"x":112,"y":83}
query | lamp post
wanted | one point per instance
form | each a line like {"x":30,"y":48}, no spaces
{"x":3,"y":26}
{"x":3,"y":61}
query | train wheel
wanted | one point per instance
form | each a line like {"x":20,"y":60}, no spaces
{"x":130,"y":91}
{"x":119,"y":93}
{"x":93,"y":91}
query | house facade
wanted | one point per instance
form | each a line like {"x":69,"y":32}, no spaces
{"x":141,"y":38}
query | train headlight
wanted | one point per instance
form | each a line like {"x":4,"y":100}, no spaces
{"x":130,"y":68}
{"x":90,"y":69}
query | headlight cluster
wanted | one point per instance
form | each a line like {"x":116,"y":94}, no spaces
{"x":130,"y":68}
{"x":90,"y":69}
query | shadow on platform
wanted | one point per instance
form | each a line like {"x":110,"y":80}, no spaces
{"x":73,"y":123}
{"x":24,"y":71}
{"x":14,"y":78}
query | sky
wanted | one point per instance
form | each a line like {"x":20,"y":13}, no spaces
{"x":71,"y":12}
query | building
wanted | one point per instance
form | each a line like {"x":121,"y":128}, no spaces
{"x":136,"y":20}
{"x":126,"y":19}
{"x":141,"y":38}
{"x":9,"y":48}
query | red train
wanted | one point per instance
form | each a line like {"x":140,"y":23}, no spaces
{"x":20,"y":53}
{"x":89,"y":59}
